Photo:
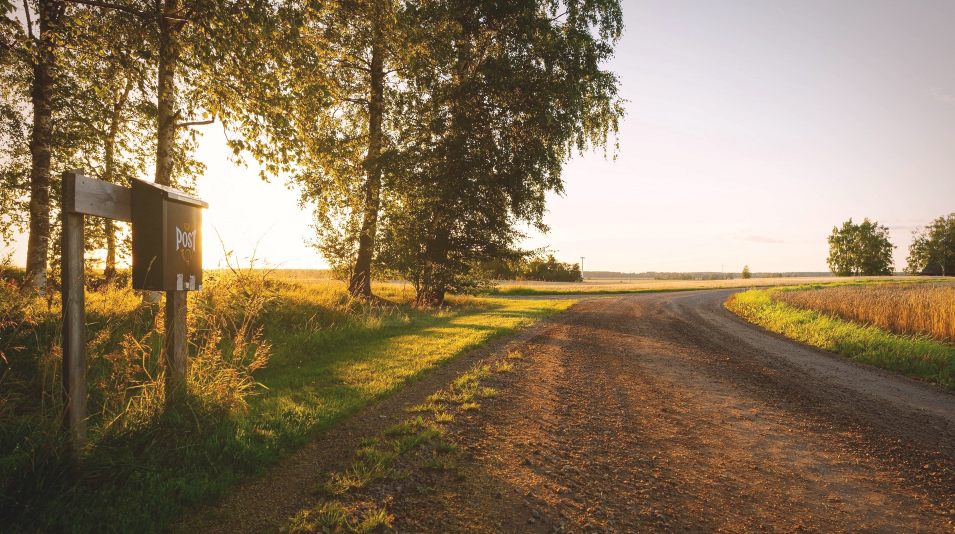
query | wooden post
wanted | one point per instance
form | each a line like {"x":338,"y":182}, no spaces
{"x":74,"y":318}
{"x":176,"y":346}
{"x":84,"y":196}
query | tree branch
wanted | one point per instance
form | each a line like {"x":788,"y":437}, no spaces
{"x":108,"y":5}
{"x":26,"y":9}
{"x":195,"y":123}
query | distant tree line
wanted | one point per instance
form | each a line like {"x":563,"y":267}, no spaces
{"x":422,"y":134}
{"x":534,"y":266}
{"x":864,"y":249}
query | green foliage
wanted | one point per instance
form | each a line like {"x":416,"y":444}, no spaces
{"x":530,"y":266}
{"x":103,"y":110}
{"x":860,"y":250}
{"x":916,"y":356}
{"x":14,"y":129}
{"x":933,"y":247}
{"x":746,"y":274}
{"x":504,"y":95}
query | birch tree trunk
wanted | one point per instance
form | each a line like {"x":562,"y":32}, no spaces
{"x":168,"y":63}
{"x":41,"y":141}
{"x":360,"y":283}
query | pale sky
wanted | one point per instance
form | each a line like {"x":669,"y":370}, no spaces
{"x":753,"y":128}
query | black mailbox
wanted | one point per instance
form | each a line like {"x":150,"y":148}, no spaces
{"x":167,"y":238}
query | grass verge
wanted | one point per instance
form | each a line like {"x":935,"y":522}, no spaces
{"x":915,"y":356}
{"x":328,"y":357}
{"x":357,"y":500}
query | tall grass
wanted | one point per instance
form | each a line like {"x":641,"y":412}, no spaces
{"x":271,"y":362}
{"x":130,"y":434}
{"x":927,"y":309}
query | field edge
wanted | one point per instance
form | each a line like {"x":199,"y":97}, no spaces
{"x":918,"y":357}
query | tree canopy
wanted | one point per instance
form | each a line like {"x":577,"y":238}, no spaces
{"x":506,"y":94}
{"x":860,"y":250}
{"x":437,"y":125}
{"x":933,"y":245}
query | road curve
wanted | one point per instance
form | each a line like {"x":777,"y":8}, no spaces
{"x":664,"y":412}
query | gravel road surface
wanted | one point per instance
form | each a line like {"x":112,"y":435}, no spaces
{"x":666,"y":413}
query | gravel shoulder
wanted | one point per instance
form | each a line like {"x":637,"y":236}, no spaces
{"x":664,"y":412}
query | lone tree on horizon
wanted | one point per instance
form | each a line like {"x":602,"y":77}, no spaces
{"x":933,"y":245}
{"x":860,"y":250}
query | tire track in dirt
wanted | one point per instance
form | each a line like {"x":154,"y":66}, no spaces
{"x":665,"y":413}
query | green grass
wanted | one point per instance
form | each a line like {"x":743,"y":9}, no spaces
{"x":918,"y":357}
{"x":329,"y":358}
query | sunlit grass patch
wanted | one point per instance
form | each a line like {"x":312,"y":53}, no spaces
{"x":335,"y":517}
{"x":424,"y":407}
{"x":371,"y":465}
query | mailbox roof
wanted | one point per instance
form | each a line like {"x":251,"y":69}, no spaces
{"x":175,"y":194}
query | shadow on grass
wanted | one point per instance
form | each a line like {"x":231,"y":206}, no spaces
{"x":329,"y":360}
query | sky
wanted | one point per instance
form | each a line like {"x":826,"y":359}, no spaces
{"x":752,"y":129}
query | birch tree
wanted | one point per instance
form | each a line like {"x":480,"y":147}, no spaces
{"x":507,"y":93}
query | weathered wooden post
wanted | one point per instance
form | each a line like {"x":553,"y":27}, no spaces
{"x":167,"y":256}
{"x":176,"y":346}
{"x":74,"y":313}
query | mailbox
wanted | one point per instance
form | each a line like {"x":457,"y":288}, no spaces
{"x":167,"y":238}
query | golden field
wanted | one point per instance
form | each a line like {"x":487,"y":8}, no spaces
{"x":622,"y":285}
{"x":927,"y":308}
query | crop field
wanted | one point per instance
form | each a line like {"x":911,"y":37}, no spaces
{"x":625,"y":285}
{"x":403,"y":290}
{"x":926,"y":309}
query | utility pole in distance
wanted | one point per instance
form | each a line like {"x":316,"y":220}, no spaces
{"x":581,"y":268}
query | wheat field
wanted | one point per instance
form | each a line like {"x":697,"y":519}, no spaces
{"x":636,"y":284}
{"x":927,"y":309}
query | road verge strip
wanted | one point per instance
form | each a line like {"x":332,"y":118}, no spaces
{"x":917,"y":357}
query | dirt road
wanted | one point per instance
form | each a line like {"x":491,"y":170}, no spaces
{"x":665,"y":413}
